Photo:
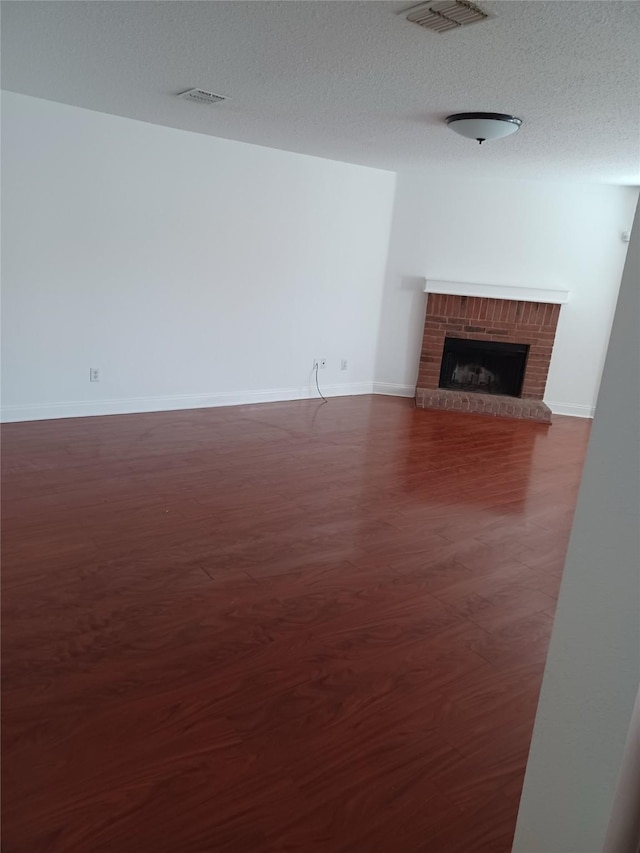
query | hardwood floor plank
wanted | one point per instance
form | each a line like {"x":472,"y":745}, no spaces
{"x":289,"y":626}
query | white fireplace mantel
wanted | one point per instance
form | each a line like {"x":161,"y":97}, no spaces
{"x":497,"y":291}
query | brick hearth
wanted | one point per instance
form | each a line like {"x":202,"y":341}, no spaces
{"x":483,"y":404}
{"x":476,"y":318}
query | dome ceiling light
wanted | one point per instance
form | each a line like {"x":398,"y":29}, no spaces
{"x":483,"y":126}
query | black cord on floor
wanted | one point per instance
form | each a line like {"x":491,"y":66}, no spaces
{"x":318,"y":386}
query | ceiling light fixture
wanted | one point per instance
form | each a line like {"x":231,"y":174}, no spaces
{"x":483,"y":126}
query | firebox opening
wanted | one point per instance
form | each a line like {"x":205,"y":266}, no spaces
{"x":485,"y":367}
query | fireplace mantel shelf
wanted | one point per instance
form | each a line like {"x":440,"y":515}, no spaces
{"x":497,"y":291}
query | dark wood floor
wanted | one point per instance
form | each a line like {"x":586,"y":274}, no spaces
{"x":283,"y":627}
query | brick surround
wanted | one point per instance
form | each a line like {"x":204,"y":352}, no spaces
{"x":475,"y":318}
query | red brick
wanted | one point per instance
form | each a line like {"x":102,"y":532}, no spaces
{"x":507,"y":320}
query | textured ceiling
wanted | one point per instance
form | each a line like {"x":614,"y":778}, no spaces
{"x":353,"y":81}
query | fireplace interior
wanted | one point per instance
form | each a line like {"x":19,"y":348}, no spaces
{"x":488,"y":367}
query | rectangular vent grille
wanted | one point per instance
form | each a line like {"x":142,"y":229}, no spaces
{"x":201,"y":96}
{"x":447,"y":15}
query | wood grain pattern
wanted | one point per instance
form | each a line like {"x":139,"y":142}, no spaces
{"x":280,"y":627}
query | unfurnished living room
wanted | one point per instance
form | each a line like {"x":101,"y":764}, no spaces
{"x":320,"y":403}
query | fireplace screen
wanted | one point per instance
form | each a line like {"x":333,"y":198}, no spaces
{"x":486,"y":367}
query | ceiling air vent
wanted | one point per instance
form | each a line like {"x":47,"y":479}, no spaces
{"x":446,"y":15}
{"x":201,"y":96}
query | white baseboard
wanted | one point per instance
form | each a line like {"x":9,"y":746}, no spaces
{"x":571,"y":409}
{"x":575,"y":411}
{"x":132,"y":405}
{"x":390,"y":389}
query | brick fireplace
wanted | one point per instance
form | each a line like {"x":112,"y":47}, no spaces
{"x":530,"y":326}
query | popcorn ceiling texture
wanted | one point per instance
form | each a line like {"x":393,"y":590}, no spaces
{"x":353,"y":81}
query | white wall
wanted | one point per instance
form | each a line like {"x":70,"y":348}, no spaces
{"x":508,"y":232}
{"x":199,"y":271}
{"x":190,"y":270}
{"x":577,"y":757}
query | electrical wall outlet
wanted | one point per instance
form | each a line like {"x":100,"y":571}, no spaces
{"x":319,"y":363}
{"x":94,"y":374}
{"x":343,"y":364}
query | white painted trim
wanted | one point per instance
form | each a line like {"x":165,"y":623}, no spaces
{"x":571,"y":409}
{"x":497,"y":291}
{"x":132,"y":405}
{"x":391,"y":389}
